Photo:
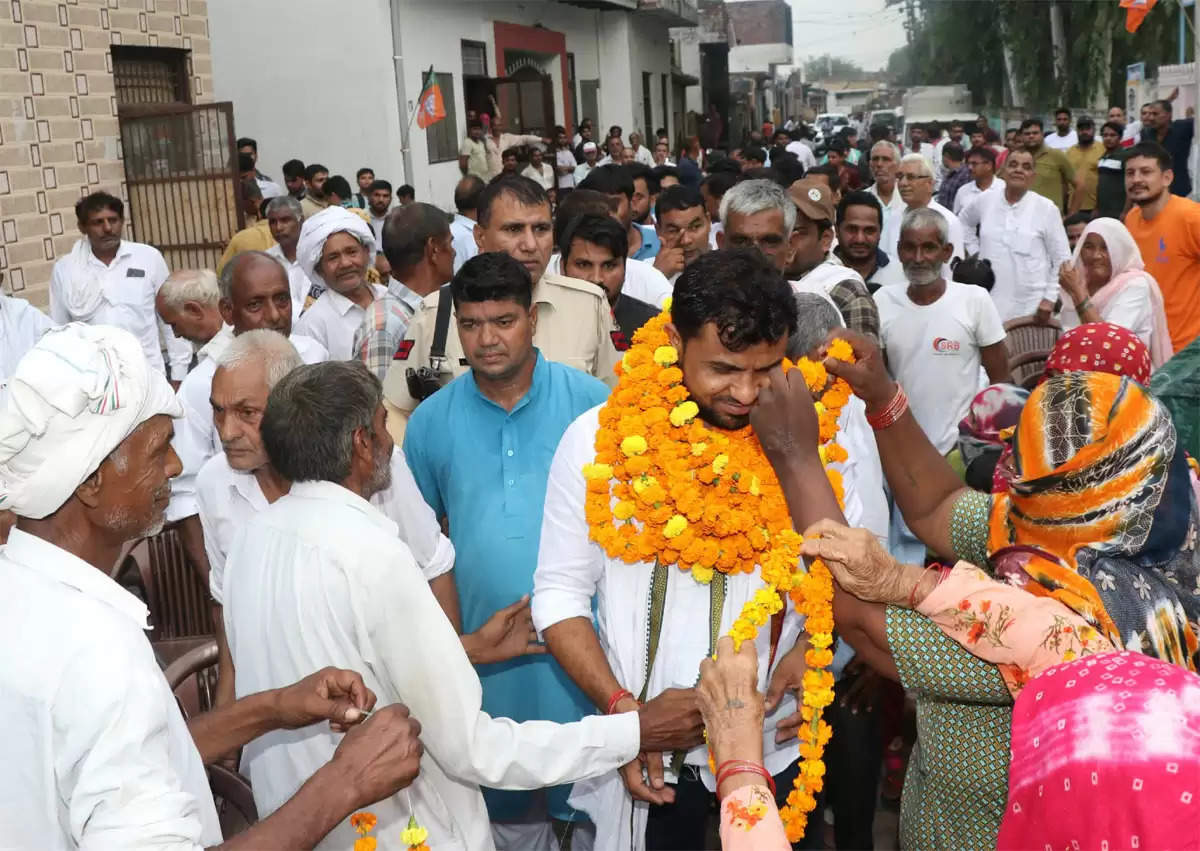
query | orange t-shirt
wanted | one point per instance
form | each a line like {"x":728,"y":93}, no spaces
{"x":1170,"y":246}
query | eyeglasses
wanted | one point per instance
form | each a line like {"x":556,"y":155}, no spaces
{"x":903,"y":178}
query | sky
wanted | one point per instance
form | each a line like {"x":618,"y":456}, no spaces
{"x":864,"y":31}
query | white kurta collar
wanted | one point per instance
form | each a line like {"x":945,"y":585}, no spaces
{"x":51,"y":561}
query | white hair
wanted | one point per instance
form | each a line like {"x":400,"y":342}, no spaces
{"x":186,"y":285}
{"x":271,"y":349}
{"x":923,"y":217}
{"x":755,"y":196}
{"x":893,"y":149}
{"x":286,"y":202}
{"x":917,"y":159}
{"x":816,"y":316}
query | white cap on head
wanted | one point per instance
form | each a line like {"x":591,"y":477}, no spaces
{"x":319,"y":227}
{"x":74,"y":397}
{"x":589,"y":146}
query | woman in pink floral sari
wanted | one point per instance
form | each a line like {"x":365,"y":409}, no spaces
{"x":1105,"y":743}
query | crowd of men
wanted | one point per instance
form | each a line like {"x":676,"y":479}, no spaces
{"x":372,"y":441}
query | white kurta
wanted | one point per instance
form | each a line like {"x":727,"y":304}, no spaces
{"x":1025,"y":243}
{"x":129,"y":284}
{"x":573,"y":571}
{"x":320,"y":578}
{"x":21,"y":326}
{"x":196,"y":439}
{"x":462,"y":234}
{"x":968,"y":192}
{"x":95,"y":752}
{"x":298,"y":282}
{"x":889,"y":234}
{"x":333,"y":320}
{"x":227,"y":498}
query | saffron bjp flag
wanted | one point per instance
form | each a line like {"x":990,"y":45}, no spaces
{"x":430,"y":108}
{"x":1135,"y":12}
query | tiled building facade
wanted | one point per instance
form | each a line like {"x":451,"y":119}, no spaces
{"x":59,"y":130}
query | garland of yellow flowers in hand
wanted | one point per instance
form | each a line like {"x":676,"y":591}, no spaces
{"x":665,"y":486}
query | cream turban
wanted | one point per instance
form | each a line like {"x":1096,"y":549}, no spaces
{"x":323,"y":225}
{"x":74,"y":397}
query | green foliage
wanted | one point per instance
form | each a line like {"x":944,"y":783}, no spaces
{"x":830,"y":67}
{"x":963,"y":42}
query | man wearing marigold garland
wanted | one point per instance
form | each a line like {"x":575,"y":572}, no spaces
{"x":660,"y":611}
{"x":480,"y":451}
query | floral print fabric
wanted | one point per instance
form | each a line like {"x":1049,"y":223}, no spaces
{"x":750,"y":821}
{"x":1023,"y":635}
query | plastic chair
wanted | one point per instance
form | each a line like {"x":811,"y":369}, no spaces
{"x":234,"y":799}
{"x":1027,"y":368}
{"x":193,"y":678}
{"x":180,"y":606}
{"x":1026,"y":335}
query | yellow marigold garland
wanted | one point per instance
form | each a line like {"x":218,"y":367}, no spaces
{"x":666,"y":486}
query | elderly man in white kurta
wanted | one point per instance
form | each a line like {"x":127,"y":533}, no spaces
{"x":335,"y":250}
{"x":322,"y":574}
{"x":95,"y":751}
{"x":238,"y":482}
{"x":255,"y":293}
{"x":1021,"y":234}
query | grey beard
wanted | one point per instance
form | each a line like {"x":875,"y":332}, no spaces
{"x":920,"y":275}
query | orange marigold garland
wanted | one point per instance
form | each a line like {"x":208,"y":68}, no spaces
{"x":666,"y":486}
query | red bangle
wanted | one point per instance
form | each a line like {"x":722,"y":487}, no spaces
{"x":618,"y":695}
{"x":740,"y":766}
{"x":912,"y":597}
{"x":892,"y":412}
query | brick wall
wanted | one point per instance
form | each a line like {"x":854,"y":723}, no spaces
{"x":58,"y":116}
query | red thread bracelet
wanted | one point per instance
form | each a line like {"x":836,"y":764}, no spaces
{"x":740,"y":766}
{"x":891,"y":412}
{"x":619,"y":695}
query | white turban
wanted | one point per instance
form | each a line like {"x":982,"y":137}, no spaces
{"x":74,"y":397}
{"x":323,"y":225}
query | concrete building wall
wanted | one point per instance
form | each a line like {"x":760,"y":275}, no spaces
{"x":59,"y":138}
{"x":310,"y":82}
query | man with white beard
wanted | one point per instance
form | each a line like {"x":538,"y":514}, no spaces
{"x":936,"y":333}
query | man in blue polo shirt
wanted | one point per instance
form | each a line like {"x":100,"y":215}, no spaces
{"x":480,"y":450}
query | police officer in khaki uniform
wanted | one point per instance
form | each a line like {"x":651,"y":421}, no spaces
{"x":575,"y":324}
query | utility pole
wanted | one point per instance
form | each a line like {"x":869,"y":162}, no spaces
{"x":1059,"y":45}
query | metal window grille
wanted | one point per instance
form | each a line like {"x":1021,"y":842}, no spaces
{"x":441,"y":139}
{"x":150,"y":75}
{"x":474,"y":59}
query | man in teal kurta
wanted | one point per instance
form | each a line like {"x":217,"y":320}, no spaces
{"x":480,"y":450}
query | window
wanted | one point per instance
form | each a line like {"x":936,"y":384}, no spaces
{"x":474,"y":58}
{"x":441,"y":139}
{"x":144,"y":76}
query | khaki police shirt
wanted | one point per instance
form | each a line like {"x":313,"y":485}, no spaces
{"x":574,"y":327}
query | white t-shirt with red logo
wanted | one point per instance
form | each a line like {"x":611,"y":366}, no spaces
{"x":933,"y":350}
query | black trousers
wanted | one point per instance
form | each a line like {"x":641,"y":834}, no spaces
{"x":853,"y":759}
{"x":684,"y":825}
